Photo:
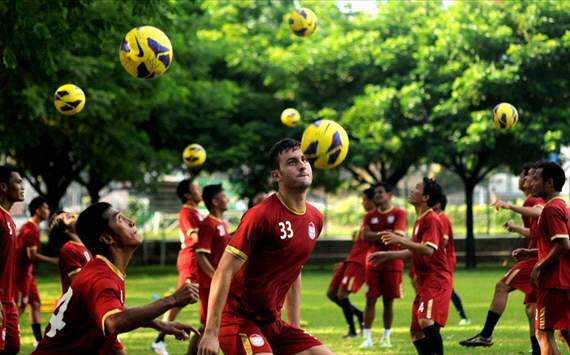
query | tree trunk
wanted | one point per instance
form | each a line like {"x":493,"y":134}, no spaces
{"x":470,"y":254}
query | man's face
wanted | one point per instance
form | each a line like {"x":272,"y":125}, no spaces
{"x":294,"y":170}
{"x":381,"y":196}
{"x":14,"y":190}
{"x":124,"y":229}
{"x":537,"y":183}
{"x":527,"y":180}
{"x":195,"y":193}
{"x":417,"y":194}
{"x":43,"y":211}
{"x":522,"y":179}
{"x":367,"y":203}
{"x":221,"y":201}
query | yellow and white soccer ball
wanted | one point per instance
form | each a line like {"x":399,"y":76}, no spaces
{"x":194,"y":155}
{"x":505,"y":116}
{"x":303,"y":22}
{"x":146,"y":52}
{"x":325,"y":144}
{"x":290,"y":117}
{"x":69,"y":99}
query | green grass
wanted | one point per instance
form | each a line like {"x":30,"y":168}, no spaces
{"x":325,"y":319}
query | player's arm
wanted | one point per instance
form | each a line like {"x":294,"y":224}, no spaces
{"x":229,"y":265}
{"x":425,"y":249}
{"x":132,"y":318}
{"x":524,"y":253}
{"x":515,"y":228}
{"x":35,"y":256}
{"x":369,"y":235}
{"x":561,"y":247}
{"x":532,"y":212}
{"x":293,"y":303}
{"x":383,"y":256}
{"x":204,"y":263}
{"x":189,"y":227}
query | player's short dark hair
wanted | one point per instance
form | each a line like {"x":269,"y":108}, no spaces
{"x":182,"y":189}
{"x":386,"y":186}
{"x":527,"y":166}
{"x":283,"y":145}
{"x":209,"y":192}
{"x":36,"y":203}
{"x":6,"y":173}
{"x":433,"y":190}
{"x":91,"y":225}
{"x":56,"y":233}
{"x":443,"y":201}
{"x":551,"y":170}
{"x":369,"y":193}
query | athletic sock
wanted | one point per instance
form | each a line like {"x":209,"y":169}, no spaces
{"x":386,"y":333}
{"x":422,"y":346}
{"x":458,"y":305}
{"x":535,"y":345}
{"x":367,"y":334}
{"x":37,"y":330}
{"x":435,"y":342}
{"x":348,"y":314}
{"x":490,"y":323}
{"x":358,"y":313}
{"x":160,"y":337}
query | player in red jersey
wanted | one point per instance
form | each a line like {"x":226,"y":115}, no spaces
{"x":188,"y":221}
{"x":11,"y":191}
{"x":28,"y":252}
{"x":518,"y":277}
{"x":383,"y":279}
{"x":349,"y":275}
{"x":92,"y":312}
{"x":261,"y":269}
{"x":433,"y":276}
{"x":551,"y":274}
{"x":451,"y":257}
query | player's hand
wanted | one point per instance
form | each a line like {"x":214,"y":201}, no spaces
{"x":501,"y":204}
{"x":509,"y":225}
{"x":521,"y":254}
{"x":209,"y":345}
{"x":179,"y":330}
{"x":534,"y":275}
{"x":379,"y":257}
{"x":388,"y":237}
{"x":187,"y":293}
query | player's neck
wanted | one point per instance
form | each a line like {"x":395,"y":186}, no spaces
{"x":5,"y":204}
{"x":190,"y":203}
{"x":121,"y":258}
{"x":421,"y":209}
{"x":36,"y":219}
{"x":293,"y":200}
{"x":384,"y":207}
{"x":551,"y":195}
{"x":217,"y":213}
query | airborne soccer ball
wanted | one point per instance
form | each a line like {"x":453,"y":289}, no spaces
{"x":505,"y":115}
{"x":325,"y":144}
{"x":194,"y":155}
{"x":290,"y":117}
{"x":69,"y":99}
{"x":303,"y":22}
{"x":146,"y":52}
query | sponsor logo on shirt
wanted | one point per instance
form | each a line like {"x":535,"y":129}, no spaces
{"x":374,"y":220}
{"x":312,"y":231}
{"x":391,"y":218}
{"x":256,"y":340}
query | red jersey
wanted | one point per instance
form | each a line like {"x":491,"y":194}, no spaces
{"x":431,"y":271}
{"x":213,"y":237}
{"x":29,"y":237}
{"x":393,"y":219}
{"x":448,"y":235}
{"x":529,"y":222}
{"x":7,"y":256}
{"x":77,"y":325}
{"x":359,"y":250}
{"x":188,"y":222}
{"x":72,"y":257}
{"x":554,"y":223}
{"x":275,"y":242}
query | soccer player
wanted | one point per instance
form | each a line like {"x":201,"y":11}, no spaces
{"x":11,"y":191}
{"x":92,"y":312}
{"x":385,"y":278}
{"x":349,"y":275}
{"x":433,"y":276}
{"x":28,"y":252}
{"x":261,"y":268}
{"x":188,"y":221}
{"x":551,"y":274}
{"x":518,"y":277}
{"x":439,"y":208}
{"x":213,"y":237}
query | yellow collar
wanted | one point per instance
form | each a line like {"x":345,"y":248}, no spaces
{"x":292,"y":210}
{"x":555,"y":198}
{"x":424,"y":214}
{"x":112,"y":267}
{"x":3,"y":209}
{"x":385,"y":211}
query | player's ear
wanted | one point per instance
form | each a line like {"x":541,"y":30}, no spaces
{"x":106,"y":239}
{"x":3,"y":187}
{"x":276,"y":175}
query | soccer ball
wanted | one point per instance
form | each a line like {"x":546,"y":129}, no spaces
{"x":146,"y":52}
{"x":194,"y":155}
{"x":325,"y":144}
{"x":505,"y":115}
{"x":69,"y":99}
{"x":303,"y":22}
{"x":290,"y":117}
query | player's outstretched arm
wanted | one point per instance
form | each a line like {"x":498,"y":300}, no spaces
{"x":35,"y":256}
{"x":383,"y":256}
{"x":416,"y":248}
{"x":532,"y":212}
{"x":293,"y":303}
{"x":511,"y":227}
{"x":180,"y":331}
{"x":524,"y":253}
{"x":133,"y":318}
{"x":561,"y":248}
{"x":229,"y":265}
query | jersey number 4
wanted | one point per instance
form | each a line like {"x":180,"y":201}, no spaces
{"x":286,"y":230}
{"x":56,"y":321}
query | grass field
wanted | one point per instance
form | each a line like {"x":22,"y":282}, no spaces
{"x":325,"y":319}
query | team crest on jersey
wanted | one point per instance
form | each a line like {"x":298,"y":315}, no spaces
{"x":374,"y":220}
{"x":391,"y":218}
{"x":312,"y":230}
{"x":256,"y":340}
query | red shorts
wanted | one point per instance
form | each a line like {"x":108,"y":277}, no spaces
{"x":186,"y":267}
{"x":552,"y":309}
{"x":518,"y":277}
{"x":431,"y":303}
{"x":27,"y":291}
{"x":384,"y":283}
{"x":242,"y":336}
{"x":348,"y":276}
{"x":9,"y":330}
{"x":204,"y":295}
